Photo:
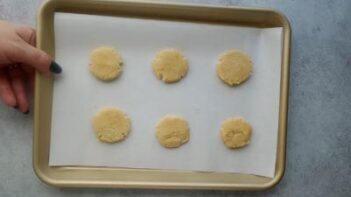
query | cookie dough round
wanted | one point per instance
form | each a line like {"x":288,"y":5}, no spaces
{"x":172,"y":131}
{"x":235,"y":132}
{"x":105,"y":63}
{"x":111,"y":125}
{"x":169,"y":65}
{"x":234,"y":67}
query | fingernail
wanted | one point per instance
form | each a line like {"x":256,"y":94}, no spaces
{"x":16,"y":106}
{"x":55,"y":68}
{"x":27,"y":112}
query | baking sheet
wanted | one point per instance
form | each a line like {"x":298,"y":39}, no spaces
{"x":201,"y":97}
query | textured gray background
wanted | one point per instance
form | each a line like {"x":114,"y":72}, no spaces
{"x":319,"y":129}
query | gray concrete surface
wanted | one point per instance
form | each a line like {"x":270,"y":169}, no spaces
{"x":319,"y":130}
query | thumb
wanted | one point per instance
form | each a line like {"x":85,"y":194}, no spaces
{"x":31,"y":56}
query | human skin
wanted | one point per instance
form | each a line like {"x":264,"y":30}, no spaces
{"x":19,"y":58}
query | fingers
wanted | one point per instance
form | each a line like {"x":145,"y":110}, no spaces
{"x":30,"y":75}
{"x":40,"y":60}
{"x":29,"y":55}
{"x":27,"y":33}
{"x":6,"y":93}
{"x":18,"y":86}
{"x":17,"y":46}
{"x":12,"y":88}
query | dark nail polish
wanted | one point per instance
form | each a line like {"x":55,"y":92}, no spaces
{"x":16,"y":106}
{"x":55,"y":68}
{"x":27,"y":112}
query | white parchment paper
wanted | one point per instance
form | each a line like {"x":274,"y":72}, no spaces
{"x":201,"y":97}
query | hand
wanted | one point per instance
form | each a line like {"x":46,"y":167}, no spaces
{"x":18,"y":60}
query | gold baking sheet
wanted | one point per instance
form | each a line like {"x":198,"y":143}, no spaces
{"x":141,"y":178}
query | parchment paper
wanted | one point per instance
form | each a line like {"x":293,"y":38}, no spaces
{"x":201,"y":97}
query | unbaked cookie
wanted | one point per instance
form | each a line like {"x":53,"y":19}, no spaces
{"x":234,"y":67}
{"x":105,"y":63}
{"x":172,"y":131}
{"x":235,"y":132}
{"x":111,"y":125}
{"x":169,"y":65}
